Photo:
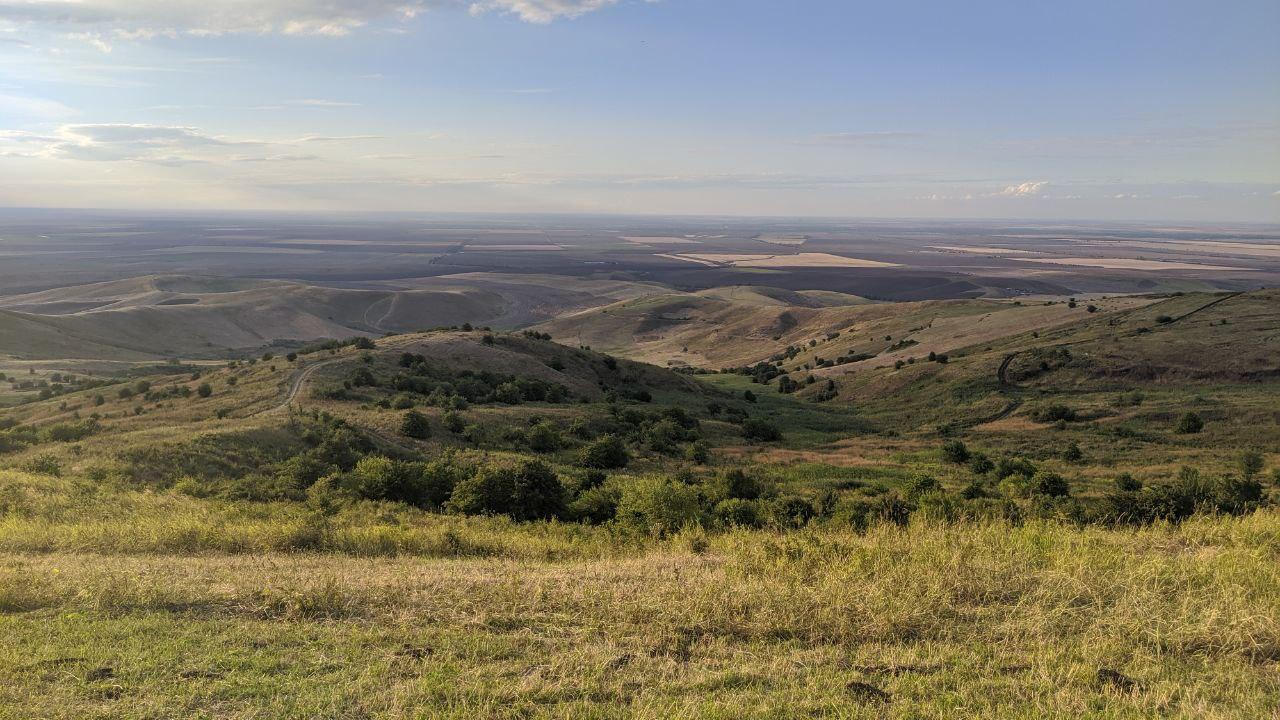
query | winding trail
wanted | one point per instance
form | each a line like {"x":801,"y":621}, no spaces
{"x":295,"y":385}
{"x":300,"y":377}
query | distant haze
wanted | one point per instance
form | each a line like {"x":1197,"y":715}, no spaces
{"x":1115,"y":110}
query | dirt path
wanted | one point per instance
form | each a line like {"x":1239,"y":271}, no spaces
{"x":295,"y":385}
{"x":1222,"y":299}
{"x":301,"y":377}
{"x":377,"y":326}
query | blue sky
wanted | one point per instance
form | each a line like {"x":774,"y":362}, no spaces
{"x":1128,"y":109}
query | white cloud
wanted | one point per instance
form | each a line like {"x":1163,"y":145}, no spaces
{"x":282,"y":158}
{"x":541,"y":11}
{"x":1026,"y":189}
{"x":99,"y":20}
{"x":119,"y":142}
{"x":337,"y":138}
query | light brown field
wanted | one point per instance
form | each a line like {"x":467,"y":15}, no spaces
{"x":202,"y":249}
{"x":1212,"y":247}
{"x":642,"y":240}
{"x":982,"y":250}
{"x":783,"y":239}
{"x":530,"y":247}
{"x":357,"y":243}
{"x":1127,"y":263}
{"x":778,"y":261}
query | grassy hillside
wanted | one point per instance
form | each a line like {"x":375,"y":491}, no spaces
{"x":386,"y":613}
{"x":717,"y":329}
{"x":197,"y":317}
{"x":494,"y":524}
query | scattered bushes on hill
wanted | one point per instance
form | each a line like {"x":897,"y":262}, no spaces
{"x":1190,"y":493}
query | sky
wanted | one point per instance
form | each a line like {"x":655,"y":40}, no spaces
{"x":1154,"y":110}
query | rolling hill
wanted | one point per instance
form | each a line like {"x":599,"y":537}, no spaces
{"x":725,"y":329}
{"x":184,"y":316}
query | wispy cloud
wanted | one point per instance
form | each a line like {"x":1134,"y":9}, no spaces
{"x":862,"y":139}
{"x":33,"y":107}
{"x":122,"y":142}
{"x":320,"y":102}
{"x":337,"y":138}
{"x":100,"y":21}
{"x":283,"y":158}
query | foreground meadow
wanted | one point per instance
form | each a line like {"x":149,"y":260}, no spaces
{"x":432,"y":617}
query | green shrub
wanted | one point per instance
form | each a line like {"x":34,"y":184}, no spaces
{"x":980,"y":464}
{"x":737,"y":512}
{"x":698,"y":452}
{"x":791,"y":512}
{"x":1008,"y":466}
{"x":919,"y":485}
{"x":955,"y":451}
{"x":525,"y":490}
{"x":544,"y":438}
{"x":43,"y":465}
{"x":1127,"y":483}
{"x":415,"y":425}
{"x":737,"y":484}
{"x":69,"y":432}
{"x":759,"y":430}
{"x":508,"y":394}
{"x":658,"y":506}
{"x":1053,"y":413}
{"x":453,"y":422}
{"x":204,"y":390}
{"x":605,"y":453}
{"x":1189,"y":424}
{"x":1251,"y":464}
{"x":596,"y":505}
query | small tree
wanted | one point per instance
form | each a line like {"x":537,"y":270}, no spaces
{"x":1190,"y":424}
{"x":205,"y":390}
{"x":415,"y":425}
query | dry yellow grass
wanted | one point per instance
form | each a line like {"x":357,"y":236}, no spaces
{"x":935,"y":621}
